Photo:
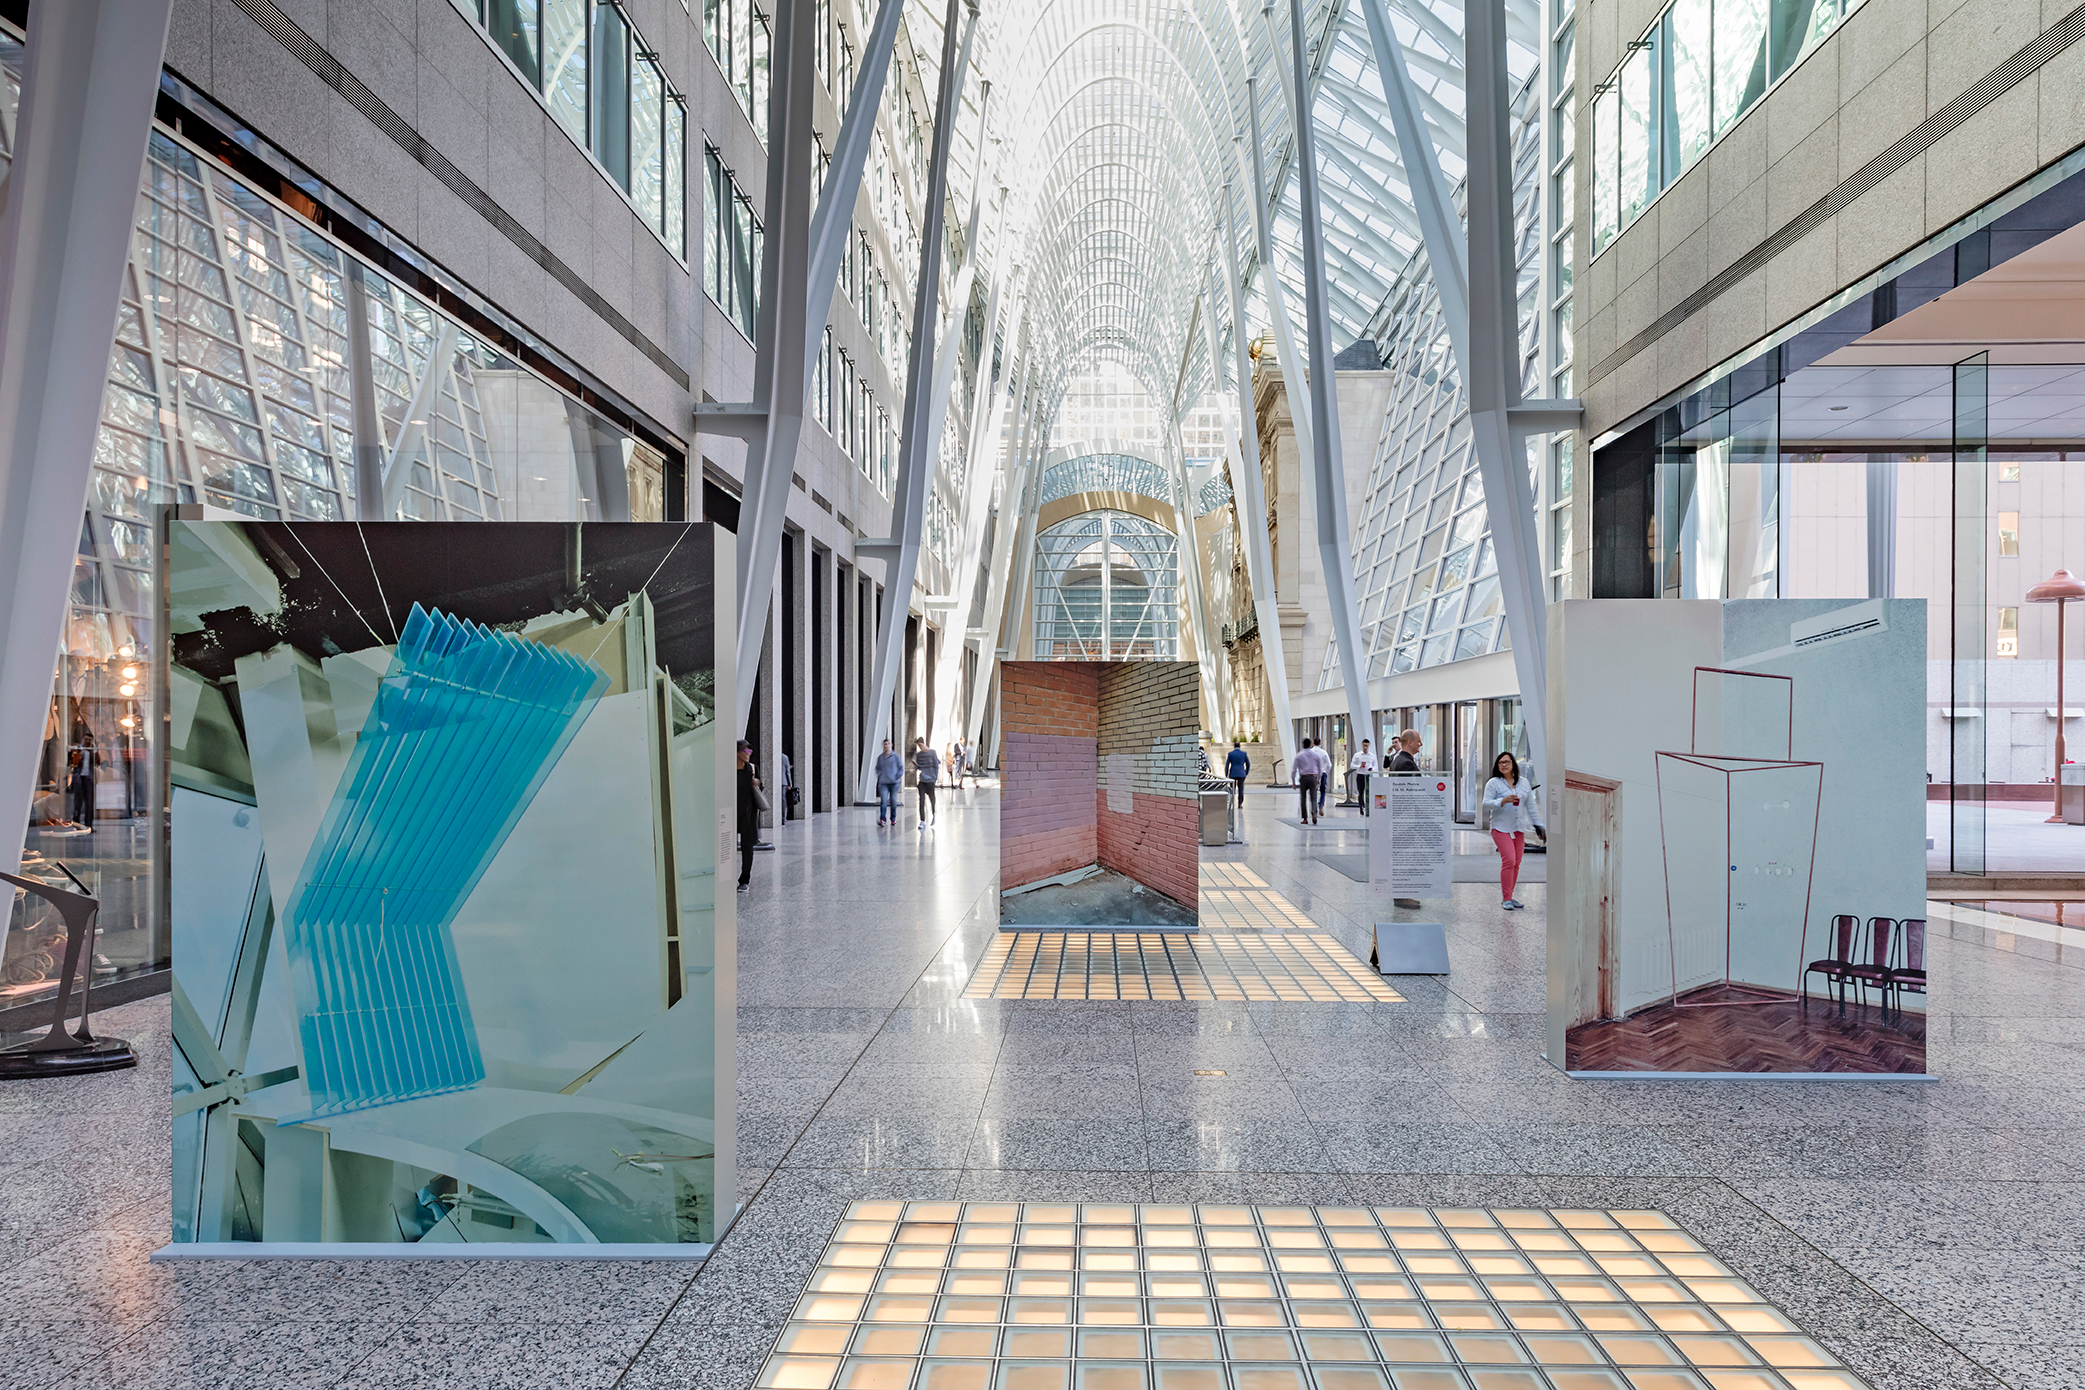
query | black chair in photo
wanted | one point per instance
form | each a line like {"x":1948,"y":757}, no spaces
{"x":1874,"y":966}
{"x":1911,"y":975}
{"x":1837,"y":967}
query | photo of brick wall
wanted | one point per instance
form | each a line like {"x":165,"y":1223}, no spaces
{"x":1099,"y":768}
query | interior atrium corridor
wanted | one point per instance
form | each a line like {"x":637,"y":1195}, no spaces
{"x":1042,"y":694}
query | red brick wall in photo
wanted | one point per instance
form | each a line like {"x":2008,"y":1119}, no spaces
{"x":1049,"y":769}
{"x":1150,"y":713}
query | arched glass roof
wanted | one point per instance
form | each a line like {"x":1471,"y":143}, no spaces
{"x":1104,"y":473}
{"x":1116,"y":127}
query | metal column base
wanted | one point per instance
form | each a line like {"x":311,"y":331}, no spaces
{"x":102,"y":1054}
{"x":1410,"y":948}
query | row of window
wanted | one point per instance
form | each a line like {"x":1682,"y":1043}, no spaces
{"x":605,"y":87}
{"x":1563,"y":231}
{"x":740,"y":36}
{"x":842,"y":402}
{"x":732,"y":241}
{"x":1700,"y":67}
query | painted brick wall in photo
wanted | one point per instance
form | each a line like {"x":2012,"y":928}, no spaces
{"x":1049,"y":762}
{"x":1150,"y":716}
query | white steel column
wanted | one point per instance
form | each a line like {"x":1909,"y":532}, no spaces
{"x":1500,"y":421}
{"x":938,"y":718}
{"x":917,"y":451}
{"x":1335,"y":551}
{"x":1190,"y":547}
{"x":1251,"y":488}
{"x":1270,"y":282}
{"x":988,"y":398}
{"x":1477,"y":284}
{"x":91,"y":75}
{"x":1001,"y":599}
{"x":805,"y":264}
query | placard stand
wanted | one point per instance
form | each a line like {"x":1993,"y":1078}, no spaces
{"x":1410,"y":948}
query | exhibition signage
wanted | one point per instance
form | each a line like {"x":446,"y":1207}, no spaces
{"x":1416,"y":859}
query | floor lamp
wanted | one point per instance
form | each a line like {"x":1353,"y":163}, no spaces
{"x":2059,"y":588}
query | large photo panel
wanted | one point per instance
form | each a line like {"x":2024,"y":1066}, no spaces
{"x":1739,"y":877}
{"x":1098,"y":813}
{"x":450,"y":965}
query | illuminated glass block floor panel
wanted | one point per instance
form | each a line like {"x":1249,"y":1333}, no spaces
{"x":1035,"y":1296}
{"x":1234,"y":898}
{"x":1196,"y":966}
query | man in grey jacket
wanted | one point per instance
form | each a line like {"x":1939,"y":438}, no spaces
{"x":890,"y":775}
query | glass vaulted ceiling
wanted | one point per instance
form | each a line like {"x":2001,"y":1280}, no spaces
{"x":1114,"y":127}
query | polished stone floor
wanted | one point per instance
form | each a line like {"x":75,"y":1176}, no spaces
{"x":1928,"y":1235}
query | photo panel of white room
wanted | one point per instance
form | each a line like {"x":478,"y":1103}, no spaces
{"x":1739,"y":877}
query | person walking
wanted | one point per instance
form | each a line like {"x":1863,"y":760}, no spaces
{"x":955,"y":763}
{"x":1513,"y":809}
{"x":926,"y":765}
{"x":1237,"y":765}
{"x":1308,"y":762}
{"x":1362,"y":765}
{"x":749,"y":808}
{"x":890,"y":776}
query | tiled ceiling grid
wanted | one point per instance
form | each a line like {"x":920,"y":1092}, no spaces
{"x":1035,"y":1296}
{"x":1209,"y":965}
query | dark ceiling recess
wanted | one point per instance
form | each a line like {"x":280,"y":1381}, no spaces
{"x":498,"y":575}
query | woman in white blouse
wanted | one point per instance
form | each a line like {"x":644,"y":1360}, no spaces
{"x":1513,"y":809}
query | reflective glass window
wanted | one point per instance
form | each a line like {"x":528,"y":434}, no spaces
{"x":565,"y":63}
{"x":647,"y":141}
{"x":676,"y":226}
{"x":1638,"y":168}
{"x":612,"y":93}
{"x":1606,"y":170}
{"x":1685,"y":73}
{"x":516,"y":26}
{"x":1740,"y":58}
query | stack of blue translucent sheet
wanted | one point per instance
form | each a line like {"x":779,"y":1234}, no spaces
{"x":467,"y":724}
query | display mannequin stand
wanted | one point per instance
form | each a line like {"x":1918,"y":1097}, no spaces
{"x":60,"y":1053}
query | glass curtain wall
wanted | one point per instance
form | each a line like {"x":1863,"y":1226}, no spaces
{"x":1423,"y":559}
{"x":1107,"y":588}
{"x":232,"y":384}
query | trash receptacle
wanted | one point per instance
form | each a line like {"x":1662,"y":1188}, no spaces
{"x":1216,"y":818}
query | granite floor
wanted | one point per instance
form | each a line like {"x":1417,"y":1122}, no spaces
{"x":1929,"y":1234}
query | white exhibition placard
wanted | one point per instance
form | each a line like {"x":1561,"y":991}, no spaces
{"x":1415,"y":859}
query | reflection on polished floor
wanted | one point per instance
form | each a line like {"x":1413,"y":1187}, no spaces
{"x":1234,"y":898}
{"x":1928,"y":1236}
